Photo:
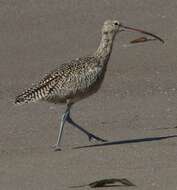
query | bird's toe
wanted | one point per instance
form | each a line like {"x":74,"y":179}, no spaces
{"x":56,"y":147}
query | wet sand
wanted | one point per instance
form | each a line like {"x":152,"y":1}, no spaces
{"x":135,"y":110}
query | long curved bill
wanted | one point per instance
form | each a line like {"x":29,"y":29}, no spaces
{"x":143,"y":32}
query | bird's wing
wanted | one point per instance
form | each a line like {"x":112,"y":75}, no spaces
{"x":73,"y":77}
{"x":62,"y":81}
{"x":43,"y":88}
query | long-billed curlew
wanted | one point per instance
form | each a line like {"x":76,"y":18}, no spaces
{"x":78,"y":78}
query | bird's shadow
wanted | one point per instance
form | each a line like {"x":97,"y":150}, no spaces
{"x":129,"y":141}
{"x":105,"y":186}
{"x":110,"y":182}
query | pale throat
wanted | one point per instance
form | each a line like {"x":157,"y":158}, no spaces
{"x":105,"y":48}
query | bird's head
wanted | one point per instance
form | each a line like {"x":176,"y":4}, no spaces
{"x":111,"y":27}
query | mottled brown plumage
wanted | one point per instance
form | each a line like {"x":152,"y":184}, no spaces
{"x":70,"y":82}
{"x":76,"y":79}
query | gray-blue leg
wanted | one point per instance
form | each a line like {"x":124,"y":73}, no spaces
{"x":90,"y":135}
{"x":66,"y":117}
{"x":63,"y":120}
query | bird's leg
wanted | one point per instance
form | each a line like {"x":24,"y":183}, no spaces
{"x":90,"y":135}
{"x":63,"y":120}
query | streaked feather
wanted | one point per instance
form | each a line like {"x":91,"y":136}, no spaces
{"x":66,"y":82}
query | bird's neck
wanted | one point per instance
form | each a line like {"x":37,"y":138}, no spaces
{"x":105,"y":48}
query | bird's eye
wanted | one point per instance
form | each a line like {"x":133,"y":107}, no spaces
{"x":116,"y":23}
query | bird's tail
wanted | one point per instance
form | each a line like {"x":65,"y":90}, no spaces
{"x":30,"y":95}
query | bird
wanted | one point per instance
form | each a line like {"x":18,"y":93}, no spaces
{"x":77,"y":79}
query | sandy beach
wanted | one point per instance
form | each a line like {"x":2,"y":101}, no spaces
{"x":135,"y":110}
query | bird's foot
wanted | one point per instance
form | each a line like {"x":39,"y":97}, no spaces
{"x":56,"y":147}
{"x":91,"y":136}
